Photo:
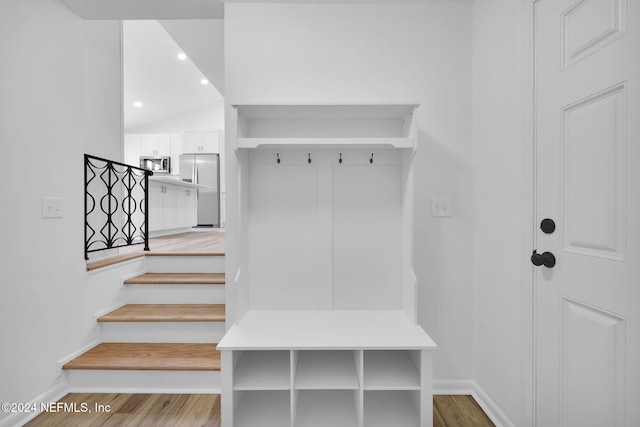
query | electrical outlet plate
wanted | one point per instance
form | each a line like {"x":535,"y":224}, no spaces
{"x":51,"y":207}
{"x":440,"y":207}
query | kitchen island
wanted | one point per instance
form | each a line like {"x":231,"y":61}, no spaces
{"x":173,"y":205}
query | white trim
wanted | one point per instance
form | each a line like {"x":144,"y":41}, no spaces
{"x":70,"y":357}
{"x":528,"y":310}
{"x":53,"y":394}
{"x":464,"y":387}
{"x":116,"y":265}
{"x":104,"y":311}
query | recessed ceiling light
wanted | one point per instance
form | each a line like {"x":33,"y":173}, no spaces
{"x":182,"y":56}
{"x":137,"y":104}
{"x":204,"y":81}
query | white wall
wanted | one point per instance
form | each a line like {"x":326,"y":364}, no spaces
{"x":322,"y":53}
{"x":58,"y":73}
{"x":208,"y":118}
{"x":501,"y":204}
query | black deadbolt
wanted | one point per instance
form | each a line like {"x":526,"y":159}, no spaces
{"x":548,"y":226}
{"x":546,"y":258}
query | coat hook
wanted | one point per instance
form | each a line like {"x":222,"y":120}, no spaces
{"x":278,"y":158}
{"x":340,"y":159}
{"x":309,"y":160}
{"x":371,"y":159}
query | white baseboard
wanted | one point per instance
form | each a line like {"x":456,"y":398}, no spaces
{"x":54,"y":394}
{"x":458,"y":387}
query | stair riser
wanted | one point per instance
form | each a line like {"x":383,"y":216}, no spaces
{"x":109,"y":381}
{"x":162,"y":332}
{"x":174,"y":294}
{"x":185,"y":264}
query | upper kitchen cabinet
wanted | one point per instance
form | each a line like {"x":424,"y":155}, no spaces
{"x":374,"y":125}
{"x":155,"y":145}
{"x":202,"y":141}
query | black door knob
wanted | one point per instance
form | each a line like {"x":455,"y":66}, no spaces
{"x":548,"y":226}
{"x":546,"y":258}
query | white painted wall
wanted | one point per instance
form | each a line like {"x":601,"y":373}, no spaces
{"x":322,"y":53}
{"x":500,"y":206}
{"x":60,"y":86}
{"x":211,"y":117}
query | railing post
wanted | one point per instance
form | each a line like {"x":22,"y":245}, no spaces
{"x":146,"y":210}
{"x":86,"y":220}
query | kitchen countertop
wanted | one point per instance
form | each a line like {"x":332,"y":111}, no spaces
{"x":172,"y":179}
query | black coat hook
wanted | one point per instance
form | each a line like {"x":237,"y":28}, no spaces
{"x":371,"y":159}
{"x":278,"y":158}
{"x":340,"y":159}
{"x":309,"y":160}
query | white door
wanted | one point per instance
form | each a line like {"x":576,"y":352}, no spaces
{"x":588,"y":182}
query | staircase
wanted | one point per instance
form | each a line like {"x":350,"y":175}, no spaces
{"x":163,"y":339}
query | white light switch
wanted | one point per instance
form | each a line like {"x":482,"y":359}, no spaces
{"x":440,"y":206}
{"x":51,"y":207}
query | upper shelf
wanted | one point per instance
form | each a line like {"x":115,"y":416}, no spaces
{"x":325,"y":126}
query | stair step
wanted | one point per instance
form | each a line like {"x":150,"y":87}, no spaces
{"x":177,"y":279}
{"x":166,"y":313}
{"x":149,"y":356}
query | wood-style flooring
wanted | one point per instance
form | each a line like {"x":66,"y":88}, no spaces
{"x":195,"y":410}
{"x":201,"y":241}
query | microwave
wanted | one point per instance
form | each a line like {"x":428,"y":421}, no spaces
{"x":157,"y":164}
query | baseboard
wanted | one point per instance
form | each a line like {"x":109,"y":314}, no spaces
{"x":458,"y":387}
{"x":54,"y":394}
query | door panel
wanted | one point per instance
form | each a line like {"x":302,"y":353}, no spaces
{"x":587,"y":324}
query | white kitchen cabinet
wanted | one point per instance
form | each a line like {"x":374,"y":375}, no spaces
{"x":202,"y":141}
{"x":186,"y":206}
{"x":155,"y":144}
{"x":173,"y":205}
{"x":162,"y":206}
{"x":324,"y":283}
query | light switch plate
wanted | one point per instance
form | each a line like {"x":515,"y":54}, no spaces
{"x":51,"y":207}
{"x":440,"y":206}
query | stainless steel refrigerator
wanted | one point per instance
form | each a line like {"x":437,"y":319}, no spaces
{"x":204,"y":169}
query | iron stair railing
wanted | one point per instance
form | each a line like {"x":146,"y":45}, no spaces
{"x":116,"y":205}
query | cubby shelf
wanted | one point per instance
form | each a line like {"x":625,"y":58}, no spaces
{"x":390,"y":370}
{"x":263,"y":409}
{"x":262,"y":370}
{"x":322,"y":408}
{"x":390,"y":408}
{"x":326,"y":369}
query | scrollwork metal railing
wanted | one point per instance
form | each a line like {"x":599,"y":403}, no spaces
{"x":116,"y":205}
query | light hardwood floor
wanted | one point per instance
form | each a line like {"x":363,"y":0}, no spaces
{"x":195,"y":410}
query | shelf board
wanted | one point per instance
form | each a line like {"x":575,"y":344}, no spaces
{"x":263,"y":409}
{"x":326,"y":369}
{"x":326,"y":330}
{"x":390,"y":408}
{"x":273,"y":111}
{"x":390,"y":370}
{"x":322,"y":408}
{"x":262,"y":370}
{"x":366,"y":142}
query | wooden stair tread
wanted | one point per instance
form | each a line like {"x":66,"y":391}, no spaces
{"x":166,"y":313}
{"x":149,"y":356}
{"x":177,"y":279}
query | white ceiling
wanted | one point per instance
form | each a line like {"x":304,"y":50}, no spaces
{"x":155,"y":76}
